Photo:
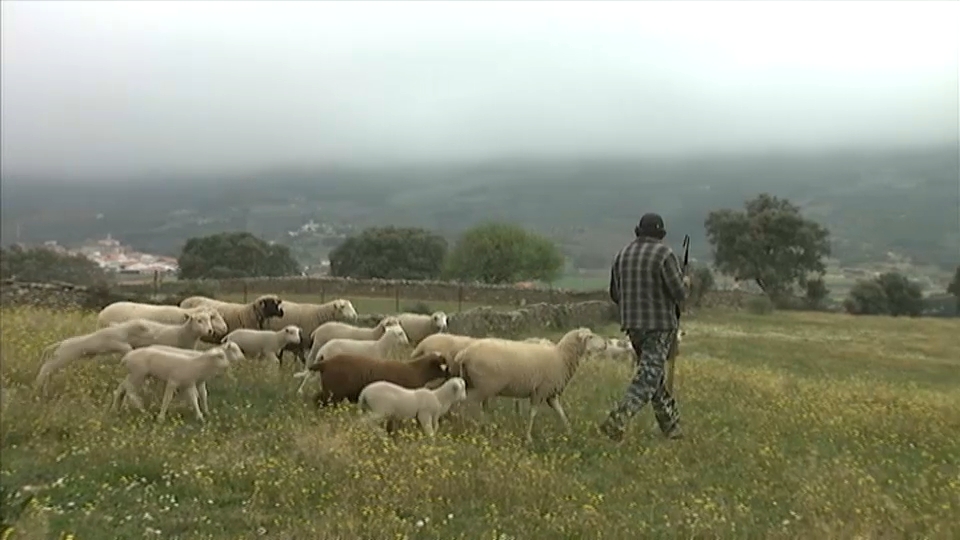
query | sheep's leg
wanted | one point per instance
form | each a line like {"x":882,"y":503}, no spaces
{"x":133,"y":385}
{"x":55,"y":362}
{"x":202,"y":391}
{"x":192,"y":395}
{"x":167,"y":398}
{"x":427,"y":423}
{"x":554,"y":403}
{"x":533,"y":414}
{"x":118,"y":394}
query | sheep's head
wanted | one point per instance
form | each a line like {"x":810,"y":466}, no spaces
{"x":344,"y":310}
{"x":459,"y":388}
{"x":396,"y":334}
{"x":216,"y":321}
{"x":233,"y":352}
{"x":219,"y":357}
{"x":434,"y":365}
{"x":200,"y":323}
{"x":439,"y":319}
{"x":589,"y":341}
{"x":269,"y":305}
{"x":389,"y":320}
{"x":292,"y":334}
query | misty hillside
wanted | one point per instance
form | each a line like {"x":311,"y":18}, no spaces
{"x":902,"y":202}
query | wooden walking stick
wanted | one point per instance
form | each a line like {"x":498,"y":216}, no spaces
{"x":674,"y":344}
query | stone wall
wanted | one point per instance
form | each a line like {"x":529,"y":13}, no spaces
{"x":52,"y":295}
{"x":328,"y":288}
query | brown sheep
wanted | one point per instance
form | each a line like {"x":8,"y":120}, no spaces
{"x":344,"y":376}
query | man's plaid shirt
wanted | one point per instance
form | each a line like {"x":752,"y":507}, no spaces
{"x":647,"y":284}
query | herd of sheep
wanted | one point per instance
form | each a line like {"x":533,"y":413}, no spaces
{"x":185,"y":346}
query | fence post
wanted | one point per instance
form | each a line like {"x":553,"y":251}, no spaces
{"x":460,"y":298}
{"x":156,"y":283}
{"x":244,"y":291}
{"x":323,"y":295}
{"x":396,"y":297}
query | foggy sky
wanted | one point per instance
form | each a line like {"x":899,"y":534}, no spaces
{"x":115,"y":89}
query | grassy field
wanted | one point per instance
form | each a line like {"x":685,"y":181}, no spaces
{"x":798,"y":425}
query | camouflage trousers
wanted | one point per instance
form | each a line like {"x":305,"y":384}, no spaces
{"x":648,"y":384}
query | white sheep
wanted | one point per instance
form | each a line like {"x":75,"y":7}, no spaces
{"x":501,"y":367}
{"x":540,"y":340}
{"x":336,"y":329}
{"x":112,"y":339}
{"x":118,"y":312}
{"x":386,"y":400}
{"x":178,"y":370}
{"x":265,"y":344}
{"x":418,"y":326}
{"x":392,"y":340}
{"x":184,"y":336}
{"x":233,"y":352}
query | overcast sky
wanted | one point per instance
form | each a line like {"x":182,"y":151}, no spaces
{"x":117,"y":89}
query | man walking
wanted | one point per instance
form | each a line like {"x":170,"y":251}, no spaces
{"x":647,"y":285}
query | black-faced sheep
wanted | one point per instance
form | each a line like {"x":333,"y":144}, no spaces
{"x":309,"y":317}
{"x":386,"y":400}
{"x":178,"y":370}
{"x":266,"y":344}
{"x":251,"y":315}
{"x":501,"y":367}
{"x":112,"y":339}
{"x":344,"y":376}
{"x":418,"y":326}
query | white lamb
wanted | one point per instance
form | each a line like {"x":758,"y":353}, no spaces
{"x":118,"y":312}
{"x":184,"y":336}
{"x":501,"y":367}
{"x":392,"y":340}
{"x":113,"y":339}
{"x":418,"y":326}
{"x":386,"y":400}
{"x":265,"y":344}
{"x":336,"y":329}
{"x":178,"y":370}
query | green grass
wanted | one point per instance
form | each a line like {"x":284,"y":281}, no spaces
{"x":364,"y":304}
{"x":798,"y":425}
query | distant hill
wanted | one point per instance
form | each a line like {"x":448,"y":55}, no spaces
{"x":905,"y":202}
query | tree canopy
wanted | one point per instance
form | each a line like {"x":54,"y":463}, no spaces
{"x":390,"y":253}
{"x":888,"y":294}
{"x":235,"y":255}
{"x":504,"y":253}
{"x":41,"y":264}
{"x":769,"y":242}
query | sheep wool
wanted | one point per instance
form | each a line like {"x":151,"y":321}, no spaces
{"x":447,"y":345}
{"x":419,"y":326}
{"x":539,"y":372}
{"x":184,"y":335}
{"x":308,"y":317}
{"x":112,"y":339}
{"x":386,"y":400}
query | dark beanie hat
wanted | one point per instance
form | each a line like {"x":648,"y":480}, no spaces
{"x":651,"y":224}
